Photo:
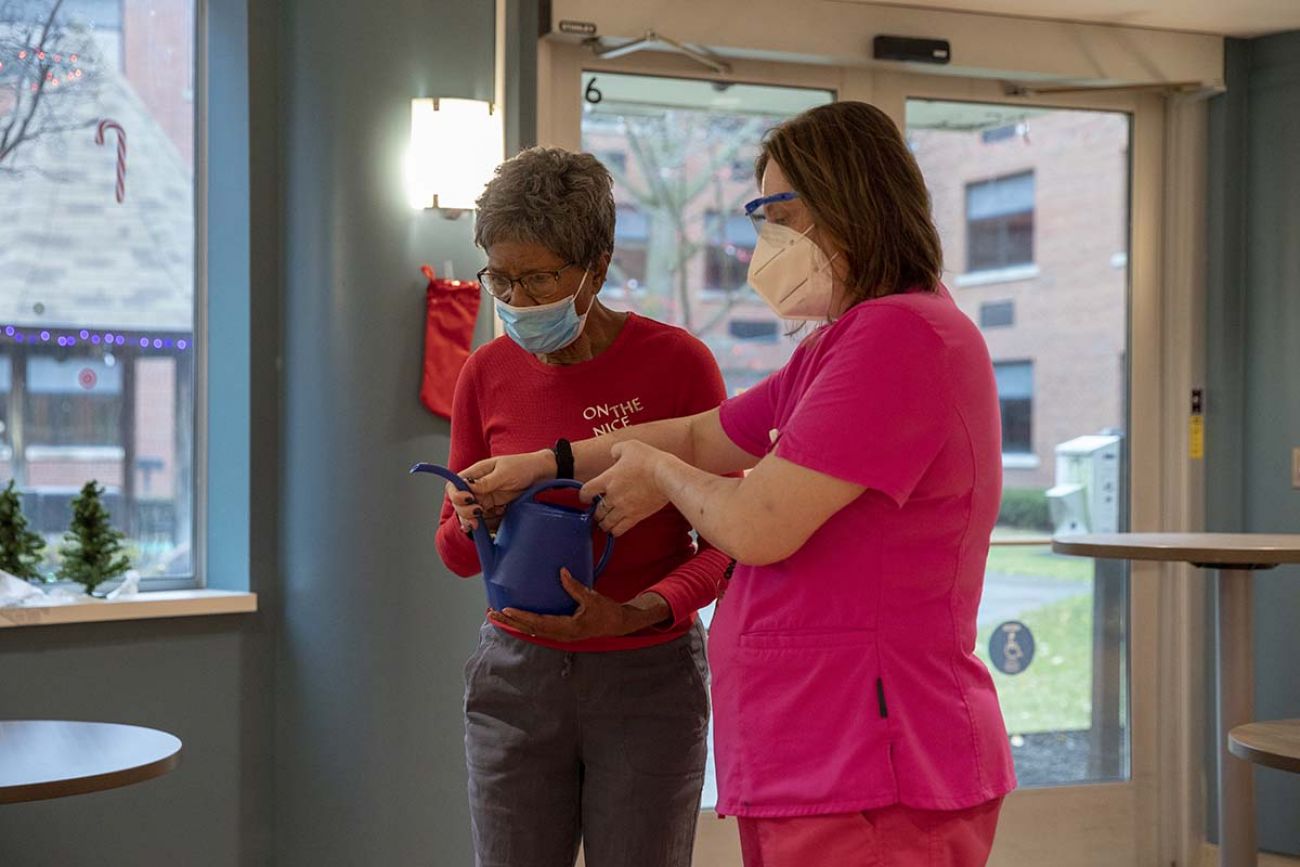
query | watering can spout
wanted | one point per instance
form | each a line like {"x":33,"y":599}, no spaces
{"x":482,"y":537}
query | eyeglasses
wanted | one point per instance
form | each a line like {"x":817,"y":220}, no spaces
{"x":539,"y":286}
{"x":757,"y":209}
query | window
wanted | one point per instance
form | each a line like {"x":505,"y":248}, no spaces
{"x":997,"y":314}
{"x":1000,"y":223}
{"x":1016,"y":400}
{"x":97,"y":266}
{"x":615,"y":161}
{"x":1006,"y":132}
{"x":765,"y":330}
{"x":729,"y":244}
{"x":74,"y":401}
{"x":627,"y":268}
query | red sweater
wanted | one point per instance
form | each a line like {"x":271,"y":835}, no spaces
{"x":508,"y":402}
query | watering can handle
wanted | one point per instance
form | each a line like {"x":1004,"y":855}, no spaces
{"x":609,"y":545}
{"x":591,"y":513}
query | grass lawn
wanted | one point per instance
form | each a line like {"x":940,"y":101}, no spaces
{"x":1038,"y":561}
{"x":1055,"y":692}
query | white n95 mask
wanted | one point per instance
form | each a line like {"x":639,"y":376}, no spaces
{"x":791,"y":273}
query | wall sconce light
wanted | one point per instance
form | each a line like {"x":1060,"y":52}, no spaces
{"x":456,"y":144}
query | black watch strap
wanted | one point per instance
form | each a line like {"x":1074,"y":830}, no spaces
{"x":563,"y":459}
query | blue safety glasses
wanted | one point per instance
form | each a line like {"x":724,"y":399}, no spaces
{"x":756,"y":210}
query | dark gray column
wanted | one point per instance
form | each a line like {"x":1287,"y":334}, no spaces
{"x":373,"y":633}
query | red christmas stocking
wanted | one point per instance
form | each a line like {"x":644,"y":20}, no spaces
{"x":451,"y":309}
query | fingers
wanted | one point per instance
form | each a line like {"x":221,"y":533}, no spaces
{"x":607,"y":516}
{"x":478,"y":470}
{"x":467,"y":509}
{"x":574,"y":587}
{"x":595,"y":488}
{"x":613,"y":520}
{"x":621,"y":526}
{"x":536,"y":625}
{"x":512,"y":620}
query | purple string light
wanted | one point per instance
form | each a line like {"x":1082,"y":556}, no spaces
{"x":78,"y":336}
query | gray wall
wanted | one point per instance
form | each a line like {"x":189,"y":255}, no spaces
{"x":373,"y":633}
{"x":1253,"y":390}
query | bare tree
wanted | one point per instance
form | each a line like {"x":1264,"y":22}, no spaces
{"x":46,"y":85}
{"x":680,"y":157}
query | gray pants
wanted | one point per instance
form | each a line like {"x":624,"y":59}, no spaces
{"x":606,"y":748}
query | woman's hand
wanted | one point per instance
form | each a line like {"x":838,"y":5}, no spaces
{"x":497,"y":482}
{"x":597,"y":616}
{"x":629,"y":490}
{"x":469,"y":512}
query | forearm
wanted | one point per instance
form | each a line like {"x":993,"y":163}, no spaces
{"x":762,"y":518}
{"x":694,"y":584}
{"x":712,"y":504}
{"x":646,"y":610}
{"x":698,"y":440}
{"x":591,"y":457}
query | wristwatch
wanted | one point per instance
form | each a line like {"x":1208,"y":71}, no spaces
{"x":563,"y":459}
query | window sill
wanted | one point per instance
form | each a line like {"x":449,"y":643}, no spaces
{"x":1014,"y":274}
{"x":1020,"y":462}
{"x":75,"y":453}
{"x":145,"y":606}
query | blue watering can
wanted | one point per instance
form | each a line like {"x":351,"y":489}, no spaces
{"x":521,"y":567}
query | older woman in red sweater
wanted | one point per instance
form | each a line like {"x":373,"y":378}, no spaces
{"x":587,"y":728}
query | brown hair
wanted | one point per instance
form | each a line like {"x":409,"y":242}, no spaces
{"x":853,"y":170}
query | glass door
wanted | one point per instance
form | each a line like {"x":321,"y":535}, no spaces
{"x":1049,"y":212}
{"x":1032,"y":208}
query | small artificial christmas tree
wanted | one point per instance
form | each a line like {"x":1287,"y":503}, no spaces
{"x":20,"y":548}
{"x":91,"y":544}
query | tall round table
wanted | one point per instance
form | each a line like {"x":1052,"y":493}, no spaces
{"x":1234,"y":556}
{"x":1275,"y":744}
{"x":42,"y":759}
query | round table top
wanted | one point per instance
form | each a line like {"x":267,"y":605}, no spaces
{"x":1276,"y":743}
{"x":1218,"y":549}
{"x":52,"y":758}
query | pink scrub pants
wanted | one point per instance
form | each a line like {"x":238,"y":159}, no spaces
{"x":894,"y":836}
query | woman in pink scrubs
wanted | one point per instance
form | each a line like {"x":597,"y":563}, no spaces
{"x":853,"y":723}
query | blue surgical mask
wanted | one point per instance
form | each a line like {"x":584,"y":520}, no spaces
{"x":545,"y":328}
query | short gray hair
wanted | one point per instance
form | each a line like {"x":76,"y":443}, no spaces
{"x":553,"y":197}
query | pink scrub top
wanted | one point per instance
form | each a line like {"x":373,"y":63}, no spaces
{"x":845,"y":677}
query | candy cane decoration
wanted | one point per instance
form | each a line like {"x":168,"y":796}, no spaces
{"x":121,"y":153}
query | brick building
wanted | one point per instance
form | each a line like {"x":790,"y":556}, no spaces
{"x":1034,"y":220}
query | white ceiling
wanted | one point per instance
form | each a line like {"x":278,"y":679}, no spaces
{"x":1226,"y":17}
